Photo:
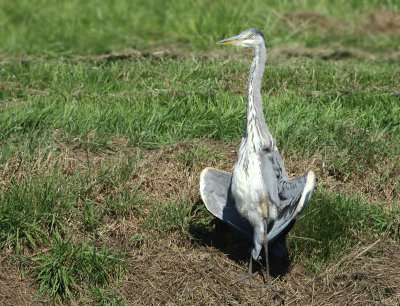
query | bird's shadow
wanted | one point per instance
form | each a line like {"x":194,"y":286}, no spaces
{"x":219,"y":235}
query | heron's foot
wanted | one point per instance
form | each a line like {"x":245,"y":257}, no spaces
{"x":248,"y":276}
{"x":269,"y":287}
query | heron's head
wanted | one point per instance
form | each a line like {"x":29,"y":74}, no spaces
{"x":249,"y":38}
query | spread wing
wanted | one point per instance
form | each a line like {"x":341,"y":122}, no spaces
{"x":215,"y":192}
{"x":294,"y":194}
{"x":290,"y":195}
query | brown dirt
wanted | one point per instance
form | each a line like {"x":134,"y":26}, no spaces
{"x":386,"y":22}
{"x":311,"y":20}
{"x":275,"y":54}
{"x":378,"y":22}
{"x":201,"y":275}
{"x":15,"y":289}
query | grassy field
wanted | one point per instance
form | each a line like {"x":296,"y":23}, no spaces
{"x":109,"y":112}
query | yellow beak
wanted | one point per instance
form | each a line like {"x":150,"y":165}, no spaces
{"x":236,"y":40}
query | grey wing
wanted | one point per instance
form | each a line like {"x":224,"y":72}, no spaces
{"x":294,"y":195}
{"x":215,"y":192}
{"x":290,"y":195}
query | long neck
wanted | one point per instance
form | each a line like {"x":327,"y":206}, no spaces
{"x":256,"y":128}
{"x":255,"y":78}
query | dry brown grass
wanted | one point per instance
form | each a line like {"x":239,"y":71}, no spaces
{"x":170,"y":268}
{"x":378,"y":22}
{"x":385,"y":22}
{"x":311,"y":20}
{"x":162,"y":176}
{"x":201,"y":275}
{"x":15,"y":289}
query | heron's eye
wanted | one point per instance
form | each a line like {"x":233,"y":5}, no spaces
{"x":250,"y":36}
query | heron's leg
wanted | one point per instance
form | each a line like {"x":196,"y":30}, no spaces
{"x":249,"y":274}
{"x":267,"y":284}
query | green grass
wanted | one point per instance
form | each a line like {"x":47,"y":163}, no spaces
{"x":169,"y":217}
{"x":38,"y":214}
{"x":311,"y":107}
{"x":313,"y":102}
{"x":106,"y":297}
{"x":68,"y":264}
{"x":194,"y":156}
{"x":29,"y":213}
{"x":92,"y":27}
{"x":333,"y":224}
{"x":75,"y":131}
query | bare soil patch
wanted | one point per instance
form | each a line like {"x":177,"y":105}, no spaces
{"x":15,"y":289}
{"x":378,"y":22}
{"x":386,"y":22}
{"x":202,"y":275}
{"x":311,"y":20}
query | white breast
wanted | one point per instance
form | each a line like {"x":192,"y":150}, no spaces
{"x":247,"y":186}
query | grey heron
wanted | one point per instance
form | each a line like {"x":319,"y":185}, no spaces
{"x":258,"y":199}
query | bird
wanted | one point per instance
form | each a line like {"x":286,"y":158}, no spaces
{"x":258,"y":199}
